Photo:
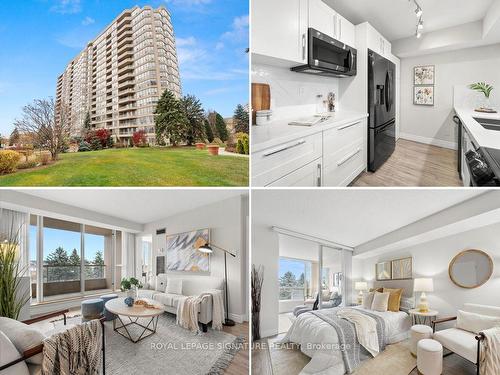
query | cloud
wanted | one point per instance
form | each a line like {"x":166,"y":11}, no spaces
{"x":67,"y":7}
{"x":189,"y":41}
{"x":219,"y":46}
{"x":239,"y":30}
{"x":88,"y":21}
{"x":195,"y":56}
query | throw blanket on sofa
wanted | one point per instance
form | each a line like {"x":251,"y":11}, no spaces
{"x":76,"y":351}
{"x":187,"y":310}
{"x":490,"y":352}
{"x":352,"y":352}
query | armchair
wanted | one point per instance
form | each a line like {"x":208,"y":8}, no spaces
{"x":465,"y":343}
{"x":38,"y":349}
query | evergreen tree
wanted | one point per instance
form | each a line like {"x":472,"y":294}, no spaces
{"x":193,"y":111}
{"x":221,"y":127}
{"x":288,"y":279}
{"x":57,"y":258}
{"x":241,"y":119}
{"x":302,"y":279}
{"x":208,"y":131}
{"x":14,"y":137}
{"x":170,"y":119}
{"x":74,"y":258}
{"x":87,"y":125}
{"x":98,"y":259}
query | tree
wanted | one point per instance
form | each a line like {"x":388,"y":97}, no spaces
{"x":139,"y":138}
{"x":98,"y":259}
{"x":87,"y":125}
{"x":288,"y":279}
{"x":14,"y":137}
{"x":170,"y":119}
{"x":208,"y":131}
{"x":221,"y":127}
{"x":195,"y":116}
{"x":241,"y":119}
{"x":58,"y":257}
{"x":74,"y":258}
{"x":49,"y":124}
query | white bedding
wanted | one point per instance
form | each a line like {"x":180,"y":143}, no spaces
{"x":319,"y":340}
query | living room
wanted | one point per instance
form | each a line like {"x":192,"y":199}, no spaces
{"x":177,"y":257}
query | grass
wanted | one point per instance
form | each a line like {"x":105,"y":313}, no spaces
{"x":183,"y":166}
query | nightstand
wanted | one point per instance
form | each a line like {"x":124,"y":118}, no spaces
{"x":425,"y":318}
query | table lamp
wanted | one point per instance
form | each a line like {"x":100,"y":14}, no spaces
{"x":361,"y":286}
{"x":423,"y":285}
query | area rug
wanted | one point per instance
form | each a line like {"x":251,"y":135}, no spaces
{"x":171,"y":350}
{"x":396,"y":359}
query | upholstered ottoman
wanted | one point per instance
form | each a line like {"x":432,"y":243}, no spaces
{"x":429,"y":357}
{"x":109,"y":316}
{"x":92,"y":309}
{"x":419,"y":332}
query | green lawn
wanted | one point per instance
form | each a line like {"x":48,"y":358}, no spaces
{"x":184,"y":166}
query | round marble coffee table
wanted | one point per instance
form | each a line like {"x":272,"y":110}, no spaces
{"x":118,"y":307}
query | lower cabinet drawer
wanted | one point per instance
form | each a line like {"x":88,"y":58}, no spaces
{"x":340,"y":168}
{"x":274,"y":163}
{"x":337,"y":138}
{"x":307,"y":176}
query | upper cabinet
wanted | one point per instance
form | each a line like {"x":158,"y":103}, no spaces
{"x":377,"y":43}
{"x":279,"y":29}
{"x":329,"y":22}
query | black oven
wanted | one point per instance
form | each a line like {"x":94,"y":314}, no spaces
{"x":328,"y":57}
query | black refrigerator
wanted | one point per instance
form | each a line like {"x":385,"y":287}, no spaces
{"x":381,"y":110}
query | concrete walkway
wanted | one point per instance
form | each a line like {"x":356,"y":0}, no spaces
{"x":222,"y":151}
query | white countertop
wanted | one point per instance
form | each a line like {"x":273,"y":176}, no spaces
{"x":279,"y":132}
{"x":482,"y":137}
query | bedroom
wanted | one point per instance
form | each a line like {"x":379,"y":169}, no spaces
{"x":413,"y":242}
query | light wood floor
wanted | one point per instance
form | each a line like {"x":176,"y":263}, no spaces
{"x":240,"y":363}
{"x":452,"y":364}
{"x":415,"y":164}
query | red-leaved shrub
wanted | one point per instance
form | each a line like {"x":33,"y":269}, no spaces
{"x":139,"y":138}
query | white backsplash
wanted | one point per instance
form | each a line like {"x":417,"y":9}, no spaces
{"x":294,"y":95}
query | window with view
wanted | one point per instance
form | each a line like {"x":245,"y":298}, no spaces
{"x":294,"y":279}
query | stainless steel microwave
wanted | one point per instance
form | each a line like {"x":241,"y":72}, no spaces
{"x":328,"y":57}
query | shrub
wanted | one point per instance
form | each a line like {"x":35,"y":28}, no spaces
{"x":242,"y":143}
{"x":27,"y":164}
{"x":139,"y":138}
{"x":9,"y":161}
{"x":219,"y":142}
{"x":44,"y":159}
{"x":99,"y":139}
{"x":104,"y":136}
{"x":84,"y":146}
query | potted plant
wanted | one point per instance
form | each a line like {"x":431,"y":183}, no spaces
{"x":200,"y":145}
{"x":130,"y":286}
{"x":486,"y":89}
{"x":213,"y":149}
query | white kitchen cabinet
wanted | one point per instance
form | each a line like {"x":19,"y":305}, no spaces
{"x":279,"y":29}
{"x":377,"y":43}
{"x":307,"y":176}
{"x":329,"y":22}
{"x":346,"y":31}
{"x":342,"y":166}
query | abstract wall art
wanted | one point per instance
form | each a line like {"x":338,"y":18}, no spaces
{"x":183,"y":254}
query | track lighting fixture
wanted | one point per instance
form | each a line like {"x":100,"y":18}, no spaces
{"x":420,"y":25}
{"x":419,"y":13}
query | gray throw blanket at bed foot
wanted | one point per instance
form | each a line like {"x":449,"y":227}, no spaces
{"x":352,"y":352}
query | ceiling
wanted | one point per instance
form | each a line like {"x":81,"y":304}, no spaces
{"x":350,"y":217}
{"x":136,"y":205}
{"x":395,"y":19}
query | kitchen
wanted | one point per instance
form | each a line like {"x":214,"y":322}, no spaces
{"x":363,"y":93}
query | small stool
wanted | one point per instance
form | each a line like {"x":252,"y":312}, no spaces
{"x":92,"y":309}
{"x":419,"y":332}
{"x":109,"y":316}
{"x":429,"y":357}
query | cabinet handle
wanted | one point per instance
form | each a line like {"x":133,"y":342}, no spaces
{"x":340,"y":28}
{"x":349,"y":157}
{"x":318,"y":182}
{"x":303,"y":46}
{"x":348,"y":126}
{"x":284,"y":148}
{"x":335,"y":26}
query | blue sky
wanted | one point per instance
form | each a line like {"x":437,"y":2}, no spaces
{"x":39,"y":38}
{"x":53,"y":238}
{"x":294,"y":266}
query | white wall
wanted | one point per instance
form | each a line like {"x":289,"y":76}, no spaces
{"x":293,"y":94}
{"x":434,"y":124}
{"x":431,"y":259}
{"x":227,"y":222}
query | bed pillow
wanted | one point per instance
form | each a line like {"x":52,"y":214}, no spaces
{"x":174,"y":286}
{"x":380,"y":301}
{"x":476,"y":323}
{"x":23,"y":336}
{"x":368,"y":300}
{"x":376,"y":290}
{"x":394,"y":299}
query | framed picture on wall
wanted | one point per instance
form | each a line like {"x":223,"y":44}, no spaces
{"x":402,"y":269}
{"x":383,"y":271}
{"x":424,"y":75}
{"x":183,"y":254}
{"x":423,"y":95}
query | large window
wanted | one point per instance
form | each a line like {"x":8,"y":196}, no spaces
{"x":294,"y":279}
{"x":98,"y":243}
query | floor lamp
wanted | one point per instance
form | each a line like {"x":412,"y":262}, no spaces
{"x":207,"y":249}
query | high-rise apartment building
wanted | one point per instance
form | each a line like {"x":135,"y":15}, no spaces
{"x":120,"y":75}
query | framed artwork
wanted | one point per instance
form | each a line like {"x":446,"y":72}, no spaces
{"x":402,"y":269}
{"x":423,"y":75}
{"x":423,"y":95}
{"x":383,"y":270}
{"x":182,"y":251}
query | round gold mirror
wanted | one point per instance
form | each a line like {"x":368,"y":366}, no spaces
{"x":470,"y":268}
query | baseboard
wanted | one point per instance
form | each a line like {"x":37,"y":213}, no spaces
{"x":429,"y":141}
{"x":237,"y":317}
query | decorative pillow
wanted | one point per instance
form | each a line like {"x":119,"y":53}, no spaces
{"x":23,"y":337}
{"x":8,"y":354}
{"x":394,"y":299}
{"x":161,"y":283}
{"x":174,"y":286}
{"x":380,"y":290}
{"x":476,"y":323}
{"x":380,"y":301}
{"x":368,"y":300}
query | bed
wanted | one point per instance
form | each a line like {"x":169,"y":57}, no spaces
{"x":319,"y":340}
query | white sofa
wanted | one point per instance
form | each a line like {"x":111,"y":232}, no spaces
{"x":191,"y":286}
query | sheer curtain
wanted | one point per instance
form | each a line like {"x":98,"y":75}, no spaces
{"x":128,"y":254}
{"x":14,"y":223}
